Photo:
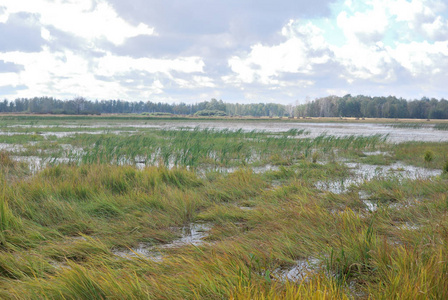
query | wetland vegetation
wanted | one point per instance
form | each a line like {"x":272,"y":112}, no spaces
{"x":97,"y":207}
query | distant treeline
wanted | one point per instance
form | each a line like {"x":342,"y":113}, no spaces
{"x":332,"y":106}
{"x":374,"y":107}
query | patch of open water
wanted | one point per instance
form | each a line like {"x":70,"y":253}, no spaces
{"x":256,"y":170}
{"x":364,"y":172}
{"x":395,"y":135}
{"x":193,"y":234}
{"x":299,"y":271}
{"x":11,"y":147}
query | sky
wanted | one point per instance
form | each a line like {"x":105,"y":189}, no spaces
{"x":246,"y":51}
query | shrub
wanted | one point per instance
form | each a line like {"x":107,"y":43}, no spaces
{"x":445,"y":167}
{"x":210,"y":113}
{"x":429,"y":156}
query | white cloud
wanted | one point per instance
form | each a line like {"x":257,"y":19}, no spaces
{"x":437,"y":30}
{"x":366,"y":27}
{"x":84,"y":18}
{"x":3,"y":15}
{"x":195,"y":82}
{"x":363,"y":57}
{"x":414,"y":11}
{"x":66,"y":73}
{"x":423,"y":59}
{"x":48,"y":73}
{"x":297,"y":55}
{"x":422,"y":17}
{"x":365,"y":62}
{"x":45,"y":34}
{"x":110,"y":65}
{"x":373,"y":45}
{"x":9,"y":79}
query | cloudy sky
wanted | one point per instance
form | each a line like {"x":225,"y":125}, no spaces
{"x":236,"y":50}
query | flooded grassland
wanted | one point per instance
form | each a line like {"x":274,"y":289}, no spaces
{"x":95,"y":208}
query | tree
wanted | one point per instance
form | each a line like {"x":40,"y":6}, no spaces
{"x":79,"y":104}
{"x":216,"y":105}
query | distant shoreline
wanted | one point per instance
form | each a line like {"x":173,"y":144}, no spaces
{"x":221,"y":118}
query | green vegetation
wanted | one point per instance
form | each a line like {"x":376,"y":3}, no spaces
{"x":441,"y":126}
{"x":429,"y":156}
{"x":209,"y":113}
{"x":143,"y":213}
{"x":375,"y":107}
{"x":408,"y":125}
{"x":332,"y":106}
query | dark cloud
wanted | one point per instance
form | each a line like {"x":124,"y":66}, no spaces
{"x":153,"y":46}
{"x":7,"y":67}
{"x":212,"y":30}
{"x":208,"y":17}
{"x":184,"y":23}
{"x":21,"y":33}
{"x":61,"y":41}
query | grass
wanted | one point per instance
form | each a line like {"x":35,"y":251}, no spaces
{"x":432,"y":155}
{"x":62,"y":227}
{"x":408,"y":125}
{"x":441,"y":126}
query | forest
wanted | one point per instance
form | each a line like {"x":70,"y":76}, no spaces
{"x":331,"y":106}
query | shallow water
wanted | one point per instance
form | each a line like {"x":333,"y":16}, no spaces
{"x":395,"y":135}
{"x":335,"y":129}
{"x":365,"y":172}
{"x":299,"y":271}
{"x":256,"y":170}
{"x":193,"y":234}
{"x":36,"y":163}
{"x":11,"y":147}
{"x":409,"y":226}
{"x":371,"y":205}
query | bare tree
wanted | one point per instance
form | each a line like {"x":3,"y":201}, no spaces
{"x":79,"y":103}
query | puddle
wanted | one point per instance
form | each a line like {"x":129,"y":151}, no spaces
{"x":365,"y":172}
{"x":371,"y":153}
{"x":36,"y":163}
{"x":11,"y":147}
{"x":256,"y":170}
{"x":142,"y":250}
{"x":245,"y":208}
{"x":299,"y":271}
{"x":371,"y":205}
{"x":409,"y":226}
{"x":406,"y":204}
{"x":337,"y":187}
{"x":192,"y":234}
{"x":368,"y":172}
